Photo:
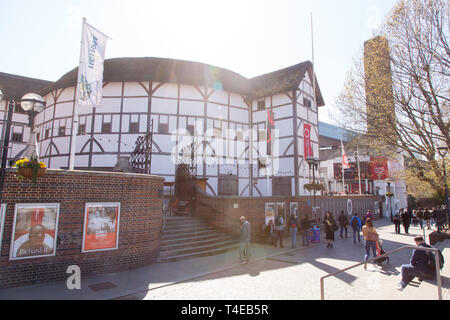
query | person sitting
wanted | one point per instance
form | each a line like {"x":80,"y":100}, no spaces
{"x":418,"y":266}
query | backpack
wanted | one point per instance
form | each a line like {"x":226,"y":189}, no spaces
{"x":431,"y":260}
{"x":355,"y":224}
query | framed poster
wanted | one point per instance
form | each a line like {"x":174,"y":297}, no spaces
{"x":293,"y":209}
{"x":269,"y":212}
{"x":35,"y":230}
{"x":281,"y":208}
{"x":2,"y":222}
{"x":101,"y":226}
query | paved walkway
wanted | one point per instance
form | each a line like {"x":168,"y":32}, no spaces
{"x":272,"y":274}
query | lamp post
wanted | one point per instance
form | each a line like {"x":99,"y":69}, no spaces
{"x":7,"y":132}
{"x":314,"y":163}
{"x":443,"y":150}
{"x":389,"y":194}
{"x":359,"y":171}
{"x":32,"y":104}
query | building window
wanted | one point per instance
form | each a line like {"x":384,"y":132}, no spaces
{"x":38,"y":136}
{"x":190,"y":129}
{"x":134,"y":127}
{"x":262,"y":135}
{"x":163,"y":128}
{"x":306,"y":102}
{"x":17,"y":137}
{"x":261,"y":104}
{"x":61,"y":131}
{"x":47,"y":133}
{"x":81,"y":129}
{"x":106,"y":127}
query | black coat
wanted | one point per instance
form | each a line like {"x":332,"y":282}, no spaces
{"x":406,"y":218}
{"x":329,"y":231}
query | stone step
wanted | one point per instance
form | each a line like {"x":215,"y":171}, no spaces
{"x":180,"y":244}
{"x":186,"y":237}
{"x":192,"y":238}
{"x":194,"y":248}
{"x":186,"y":231}
{"x":174,"y":226}
{"x":198,"y":254}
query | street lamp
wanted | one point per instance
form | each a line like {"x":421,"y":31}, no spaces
{"x":389,"y":194}
{"x":314,"y":163}
{"x":443,"y":150}
{"x":32,"y":104}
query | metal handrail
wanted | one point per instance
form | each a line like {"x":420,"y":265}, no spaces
{"x":436,"y":258}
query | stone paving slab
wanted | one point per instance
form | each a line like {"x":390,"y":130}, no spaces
{"x":272,"y":274}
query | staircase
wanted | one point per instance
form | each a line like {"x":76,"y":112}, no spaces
{"x":186,"y":237}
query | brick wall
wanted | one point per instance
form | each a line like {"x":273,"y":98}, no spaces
{"x":220,"y":212}
{"x":140,"y":198}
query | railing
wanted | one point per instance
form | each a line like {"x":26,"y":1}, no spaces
{"x":436,"y":258}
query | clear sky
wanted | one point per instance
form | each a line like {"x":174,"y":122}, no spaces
{"x":41,"y":39}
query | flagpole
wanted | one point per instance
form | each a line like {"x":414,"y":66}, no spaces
{"x":312,"y":53}
{"x":75,"y":111}
{"x":343,"y":171}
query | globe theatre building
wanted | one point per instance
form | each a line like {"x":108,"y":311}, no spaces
{"x":186,"y":105}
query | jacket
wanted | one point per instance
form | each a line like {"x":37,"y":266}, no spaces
{"x":419,"y":260}
{"x":292,"y":222}
{"x":343,"y":220}
{"x":357,"y":219}
{"x":370,"y":234}
{"x":245,"y":232}
{"x":305,"y":224}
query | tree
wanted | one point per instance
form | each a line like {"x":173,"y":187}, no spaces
{"x":397,"y":97}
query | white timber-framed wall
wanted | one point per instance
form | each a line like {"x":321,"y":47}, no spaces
{"x":128,"y":108}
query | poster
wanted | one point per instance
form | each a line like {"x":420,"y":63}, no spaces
{"x":281,"y":209}
{"x":34,"y":231}
{"x":293,"y":209}
{"x":2,"y":222}
{"x":101,"y":226}
{"x":269,"y":212}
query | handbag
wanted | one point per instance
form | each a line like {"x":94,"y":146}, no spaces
{"x":334,"y":227}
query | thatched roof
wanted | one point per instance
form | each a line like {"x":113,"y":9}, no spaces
{"x":15,"y":87}
{"x":184,"y":72}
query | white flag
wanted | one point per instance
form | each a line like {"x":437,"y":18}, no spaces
{"x":345,"y":163}
{"x":90,"y":70}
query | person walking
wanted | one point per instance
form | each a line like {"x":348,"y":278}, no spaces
{"x":414,"y":217}
{"x":244,"y":251}
{"x":434,"y":216}
{"x":417,"y":267}
{"x":397,"y":222}
{"x":343,"y":222}
{"x":305,"y":224}
{"x":420,"y":217}
{"x":427,"y":217}
{"x":406,"y":220}
{"x":293,"y":229}
{"x":355,"y":223}
{"x":370,"y":235}
{"x":330,"y":228}
{"x":279,"y":227}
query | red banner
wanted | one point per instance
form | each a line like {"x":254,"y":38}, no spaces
{"x":379,"y":168}
{"x":307,"y":141}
